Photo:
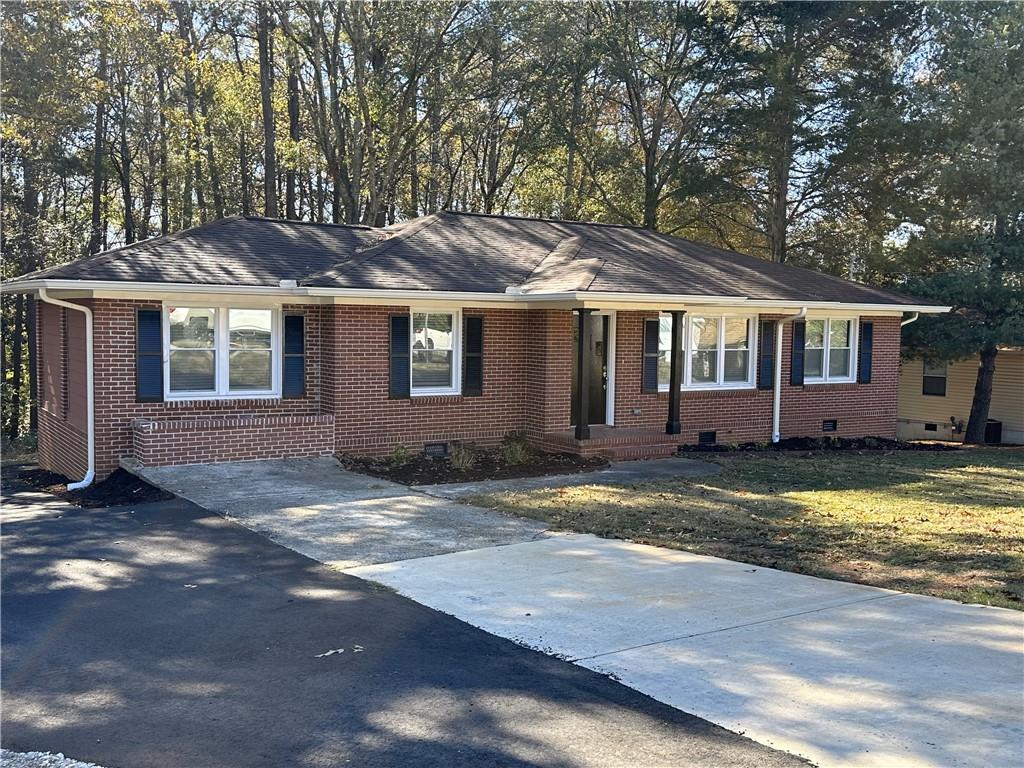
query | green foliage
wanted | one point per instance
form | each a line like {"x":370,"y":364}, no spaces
{"x":461,"y":456}
{"x":400,"y":455}
{"x":514,"y":449}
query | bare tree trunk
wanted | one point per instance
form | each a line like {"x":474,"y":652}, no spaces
{"x":127,"y":202}
{"x":982,"y":395}
{"x":165,"y":214}
{"x":243,"y":172}
{"x":293,"y":130}
{"x":96,"y":235}
{"x":14,"y":422}
{"x":266,"y":53}
{"x":32,"y":261}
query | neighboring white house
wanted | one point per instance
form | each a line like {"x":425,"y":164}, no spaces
{"x":935,"y":398}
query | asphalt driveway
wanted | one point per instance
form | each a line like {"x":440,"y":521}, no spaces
{"x":164,"y":635}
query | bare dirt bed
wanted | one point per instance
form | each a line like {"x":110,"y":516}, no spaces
{"x":119,"y":488}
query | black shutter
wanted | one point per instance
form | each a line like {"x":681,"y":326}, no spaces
{"x":399,"y":368}
{"x":294,"y":375}
{"x":796,"y":365}
{"x":473,"y":357}
{"x":867,"y":336}
{"x":766,"y":361}
{"x":149,"y":358}
{"x":650,"y":365}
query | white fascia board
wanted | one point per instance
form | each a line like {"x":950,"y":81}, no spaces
{"x":469,"y":298}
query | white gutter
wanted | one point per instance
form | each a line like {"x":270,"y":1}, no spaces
{"x":467,"y":297}
{"x":90,"y":473}
{"x":777,"y":389}
{"x":912,"y":318}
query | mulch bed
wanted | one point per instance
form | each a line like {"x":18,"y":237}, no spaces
{"x":825,"y":444}
{"x":420,"y":469}
{"x":119,"y":488}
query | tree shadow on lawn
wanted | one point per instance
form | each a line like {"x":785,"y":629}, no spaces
{"x":163,"y":635}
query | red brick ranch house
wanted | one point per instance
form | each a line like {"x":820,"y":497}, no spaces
{"x":252,"y":338}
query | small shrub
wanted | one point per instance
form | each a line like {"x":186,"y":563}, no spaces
{"x":400,"y":455}
{"x":461,"y":456}
{"x":514,"y":449}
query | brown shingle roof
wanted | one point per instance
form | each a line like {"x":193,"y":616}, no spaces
{"x":462,"y":252}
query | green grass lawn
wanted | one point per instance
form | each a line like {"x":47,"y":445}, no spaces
{"x":946,"y":524}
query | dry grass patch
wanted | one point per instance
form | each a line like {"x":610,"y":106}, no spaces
{"x":944,"y":524}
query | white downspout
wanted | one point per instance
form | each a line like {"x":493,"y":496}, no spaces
{"x":90,"y":472}
{"x":777,"y":389}
{"x":912,"y":318}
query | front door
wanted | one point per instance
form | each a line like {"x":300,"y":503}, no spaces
{"x":597,"y":363}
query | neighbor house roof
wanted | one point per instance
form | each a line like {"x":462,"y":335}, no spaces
{"x":461,"y":252}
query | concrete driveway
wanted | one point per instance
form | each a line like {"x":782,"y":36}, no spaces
{"x":163,"y":636}
{"x":843,"y":674}
{"x":341,"y":518}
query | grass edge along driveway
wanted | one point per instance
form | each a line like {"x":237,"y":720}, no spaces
{"x":947,"y":524}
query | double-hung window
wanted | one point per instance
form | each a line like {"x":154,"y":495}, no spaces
{"x":933,"y":381}
{"x":435,"y":360}
{"x":716,"y":352}
{"x":221,"y":352}
{"x":828,"y":350}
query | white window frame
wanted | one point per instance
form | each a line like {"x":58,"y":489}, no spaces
{"x":687,"y":352}
{"x":456,"y":385}
{"x":221,"y":378}
{"x":825,"y":378}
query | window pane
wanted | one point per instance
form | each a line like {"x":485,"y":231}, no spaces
{"x":432,"y":331}
{"x":664,"y":368}
{"x":431,"y":368}
{"x":735,"y":334}
{"x":191,"y":328}
{"x":249,"y":370}
{"x":935,"y":369}
{"x":838,"y":363}
{"x":815,"y":334}
{"x":664,"y":333}
{"x":704,"y":367}
{"x":813,"y":360}
{"x":839,"y":333}
{"x":249,"y":328}
{"x":704,"y":332}
{"x":736,"y":365}
{"x":191,"y":370}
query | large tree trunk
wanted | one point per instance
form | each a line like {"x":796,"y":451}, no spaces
{"x":982,"y":395}
{"x":96,"y":235}
{"x":127,"y":202}
{"x":165,"y":213}
{"x":32,"y":261}
{"x":243,"y":172}
{"x":266,"y":89}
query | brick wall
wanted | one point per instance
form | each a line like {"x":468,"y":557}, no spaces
{"x":746,"y":415}
{"x":209,"y":440}
{"x":368,"y":421}
{"x":62,"y":442}
{"x":117,"y":408}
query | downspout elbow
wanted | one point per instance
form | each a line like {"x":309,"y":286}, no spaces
{"x":909,"y":320}
{"x":90,"y":472}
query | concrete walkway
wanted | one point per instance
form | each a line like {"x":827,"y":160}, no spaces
{"x":341,"y":518}
{"x":843,"y":674}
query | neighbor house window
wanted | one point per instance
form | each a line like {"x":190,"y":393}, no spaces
{"x":715,"y":354}
{"x":828,"y":350}
{"x":934,"y":379}
{"x":435,"y":337}
{"x":220,"y":351}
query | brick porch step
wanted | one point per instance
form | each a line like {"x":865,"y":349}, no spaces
{"x":614,"y":443}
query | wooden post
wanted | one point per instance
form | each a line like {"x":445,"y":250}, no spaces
{"x":675,"y":378}
{"x":582,"y":374}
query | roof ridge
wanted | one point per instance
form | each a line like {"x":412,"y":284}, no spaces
{"x":280,"y":220}
{"x":360,"y":257}
{"x":544,"y":219}
{"x":142,"y":245}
